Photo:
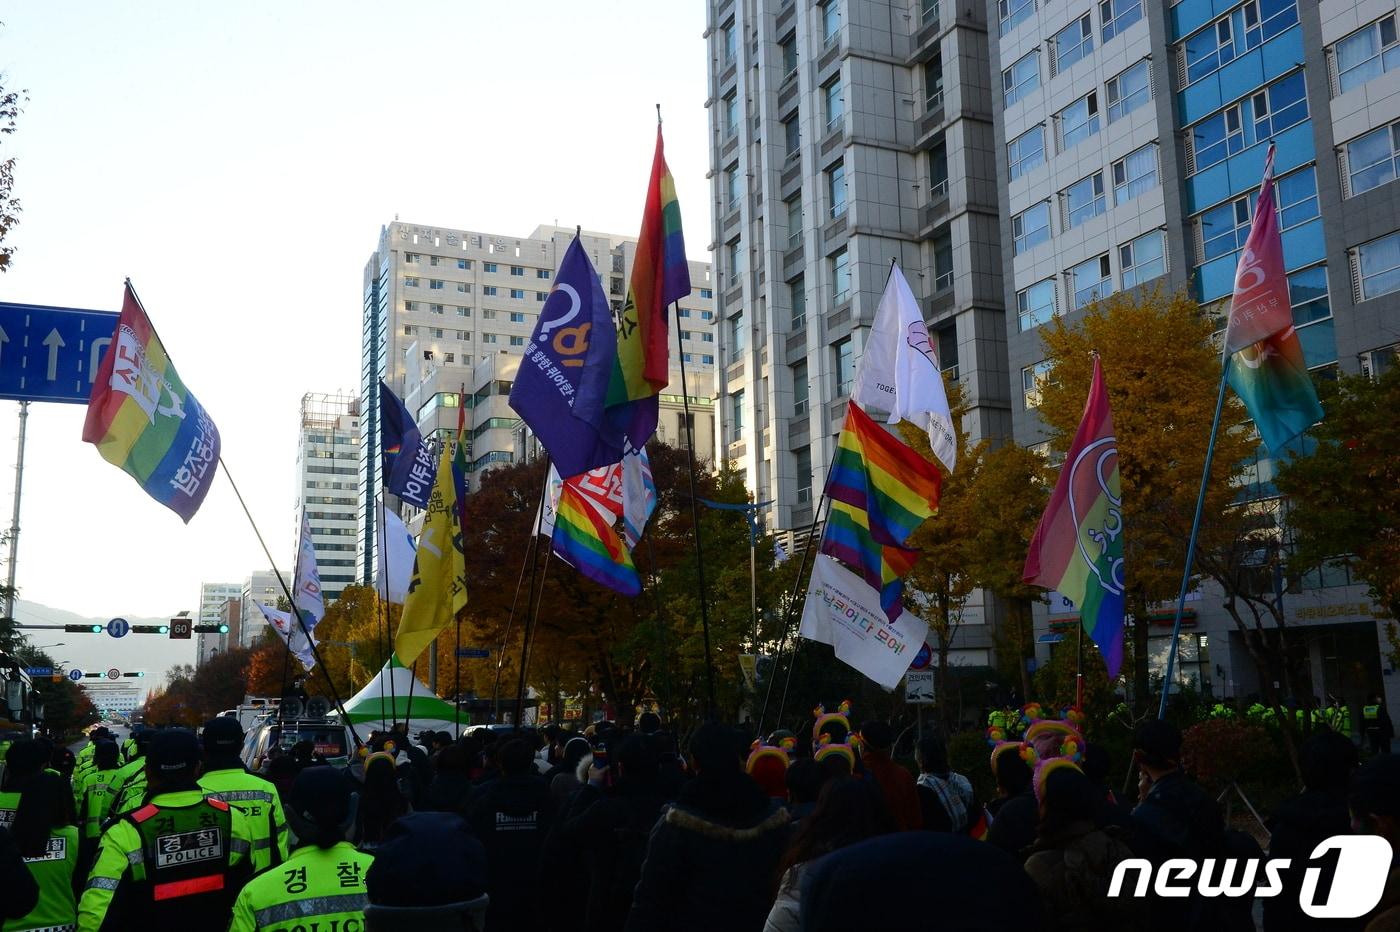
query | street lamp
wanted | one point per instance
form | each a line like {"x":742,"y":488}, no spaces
{"x":47,"y":646}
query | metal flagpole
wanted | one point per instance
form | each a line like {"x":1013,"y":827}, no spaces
{"x":384,"y":614}
{"x":1191,"y":544}
{"x":789,"y":610}
{"x":531,"y":605}
{"x":531,"y":547}
{"x":14,"y":523}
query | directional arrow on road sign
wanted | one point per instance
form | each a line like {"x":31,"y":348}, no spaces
{"x":118,"y":627}
{"x":75,"y":674}
{"x":51,"y":353}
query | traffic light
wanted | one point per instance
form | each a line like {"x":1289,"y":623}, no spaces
{"x":135,"y":673}
{"x":150,"y":629}
{"x":211,"y":629}
{"x":83,"y":629}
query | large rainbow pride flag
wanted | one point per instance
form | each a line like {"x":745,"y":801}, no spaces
{"x":1077,"y":549}
{"x":660,"y":276}
{"x":143,"y":419}
{"x":587,"y":541}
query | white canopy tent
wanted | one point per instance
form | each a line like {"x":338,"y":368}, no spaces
{"x":396,"y":695}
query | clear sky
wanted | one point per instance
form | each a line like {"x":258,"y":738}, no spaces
{"x":237,"y":161}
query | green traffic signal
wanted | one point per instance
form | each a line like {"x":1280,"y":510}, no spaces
{"x":223,"y":629}
{"x":162,"y":629}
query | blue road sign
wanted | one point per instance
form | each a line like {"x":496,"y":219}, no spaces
{"x":75,"y":674}
{"x":39,"y":671}
{"x":473,"y":653}
{"x":118,"y":627}
{"x":51,"y":353}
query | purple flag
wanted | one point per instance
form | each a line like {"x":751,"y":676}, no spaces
{"x":562,"y":385}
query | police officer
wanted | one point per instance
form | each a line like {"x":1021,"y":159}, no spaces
{"x":322,"y":884}
{"x":96,"y":794}
{"x":178,"y":861}
{"x":48,"y":841}
{"x":225,"y":777}
{"x":130,"y":779}
{"x":1377,"y":724}
{"x":84,"y":762}
{"x":24,"y":761}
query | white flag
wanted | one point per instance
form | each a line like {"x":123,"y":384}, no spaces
{"x":844,"y":611}
{"x":291,"y":634}
{"x":780,"y":555}
{"x":395,"y":560}
{"x":544,"y":516}
{"x":899,"y":370}
{"x":306,"y":584}
{"x":638,"y":496}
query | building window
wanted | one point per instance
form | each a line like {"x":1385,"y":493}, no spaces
{"x":516,"y":317}
{"x":517,"y":271}
{"x":489,"y":290}
{"x":731,"y":186}
{"x":731,"y":115}
{"x":730,"y":43}
{"x":943,"y":261}
{"x":435,"y":309}
{"x":736,"y":262}
{"x":410,"y":283}
{"x":488,"y":338}
{"x":736,"y":416}
{"x":707,"y":359}
{"x":706,"y":337}
{"x":1014,"y":12}
{"x":792,"y":134}
{"x":1378,"y":265}
{"x":1128,"y":91}
{"x":540,"y":296}
{"x":437,"y":333}
{"x":794,"y":220}
{"x":797,"y":294}
{"x":1036,"y":304}
{"x":408,"y":330}
{"x":933,"y":82}
{"x":488,"y":314}
{"x":835,"y":103}
{"x":489,"y":266}
{"x":708,"y":294}
{"x":410,"y":306}
{"x":1030,"y":228}
{"x":802,"y":482}
{"x":1033,"y":379}
{"x":464,"y":264}
{"x":1078,"y":121}
{"x":840,"y":277}
{"x":845,"y":366}
{"x":1367,"y":53}
{"x":938,"y":169}
{"x":518,"y":294}
{"x":433,"y":260}
{"x":1072,"y":43}
{"x":1117,"y":15}
{"x":1143,"y":259}
{"x":1283,"y":104}
{"x":1307,"y":293}
{"x":464,"y":335}
{"x":464,"y":312}
{"x":410,"y":258}
{"x":789,"y":50}
{"x":517,"y":341}
{"x":1224,"y":229}
{"x":542,"y":273}
{"x":836,"y":189}
{"x":464,"y":288}
{"x":1090,"y":281}
{"x":1026,"y":152}
{"x":799,"y":389}
{"x":737,"y":332}
{"x":831,"y":21}
{"x":1371,"y":159}
{"x":1084,"y":200}
{"x":1021,"y":78}
{"x":1135,"y":174}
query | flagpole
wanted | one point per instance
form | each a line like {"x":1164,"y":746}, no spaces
{"x":530,"y":555}
{"x":1191,"y":544}
{"x":655,"y":576}
{"x":788,"y":612}
{"x":531,"y":605}
{"x":528,"y":644}
{"x":384,"y":613}
{"x":408,"y":709}
{"x":316,"y":654}
{"x":695,"y":520}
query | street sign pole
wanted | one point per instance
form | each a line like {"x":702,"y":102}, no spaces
{"x":14,"y":521}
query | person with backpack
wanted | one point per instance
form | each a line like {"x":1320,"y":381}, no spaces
{"x":48,"y":841}
{"x":947,"y":799}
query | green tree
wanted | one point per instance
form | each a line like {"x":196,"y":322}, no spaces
{"x":11,"y":105}
{"x":1162,"y":371}
{"x":1345,"y":496}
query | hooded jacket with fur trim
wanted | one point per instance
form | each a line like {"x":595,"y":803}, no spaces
{"x":711,"y":859}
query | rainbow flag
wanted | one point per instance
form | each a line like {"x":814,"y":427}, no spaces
{"x":847,"y":538}
{"x":660,"y":276}
{"x":1266,"y":367}
{"x":143,"y":419}
{"x":1077,"y":549}
{"x":875,"y":472}
{"x":586,"y":540}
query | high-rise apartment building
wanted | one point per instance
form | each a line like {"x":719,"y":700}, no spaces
{"x":844,"y":135}
{"x":260,"y":586}
{"x":212,"y":597}
{"x":1130,"y":142}
{"x":327,"y":467}
{"x":439,"y":303}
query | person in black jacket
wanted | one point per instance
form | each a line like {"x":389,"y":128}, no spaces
{"x":1015,"y":813}
{"x":1300,"y":824}
{"x":511,"y":817}
{"x":609,"y":827}
{"x":711,"y":858}
{"x":21,"y":890}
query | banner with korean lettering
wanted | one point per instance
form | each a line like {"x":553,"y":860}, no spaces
{"x":408,"y":467}
{"x":844,"y":611}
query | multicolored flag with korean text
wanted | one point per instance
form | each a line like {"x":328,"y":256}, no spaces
{"x":141,"y":417}
{"x":1077,"y":549}
{"x":660,"y":277}
{"x":407,"y":467}
{"x":1266,"y":367}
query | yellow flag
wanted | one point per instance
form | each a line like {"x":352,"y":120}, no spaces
{"x":438,"y":589}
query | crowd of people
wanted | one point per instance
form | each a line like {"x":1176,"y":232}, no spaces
{"x":622,"y":827}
